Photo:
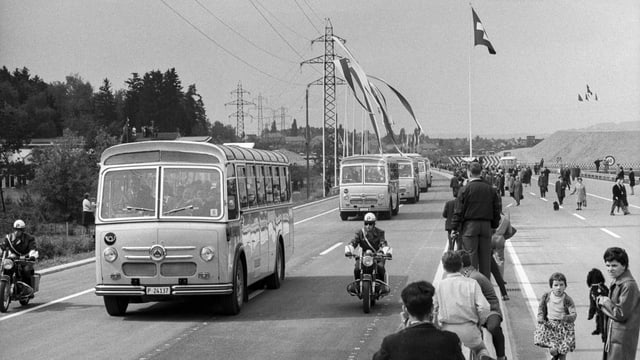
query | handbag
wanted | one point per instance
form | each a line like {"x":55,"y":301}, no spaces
{"x":541,"y":335}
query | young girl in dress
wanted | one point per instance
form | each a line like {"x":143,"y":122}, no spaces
{"x":556,"y":319}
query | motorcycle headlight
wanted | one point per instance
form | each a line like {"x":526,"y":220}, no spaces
{"x":110,"y":254}
{"x":7,"y":264}
{"x":367,"y":261}
{"x":207,"y":253}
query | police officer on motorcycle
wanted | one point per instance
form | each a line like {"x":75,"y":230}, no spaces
{"x":19,"y":243}
{"x":369,"y":238}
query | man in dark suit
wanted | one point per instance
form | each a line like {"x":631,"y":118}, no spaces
{"x":419,"y":339}
{"x":476,"y":213}
{"x":619,"y":197}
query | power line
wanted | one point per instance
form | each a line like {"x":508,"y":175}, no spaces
{"x":312,"y":11}
{"x":219,"y":45}
{"x":275,"y":30}
{"x":242,"y":36}
{"x":283,"y":24}
{"x":306,"y":16}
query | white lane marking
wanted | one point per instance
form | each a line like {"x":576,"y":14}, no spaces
{"x":604,"y":198}
{"x":330,"y":249}
{"x":315,"y":216}
{"x":611,"y":233}
{"x":529,"y":294}
{"x":47,"y":304}
{"x":578,"y":216}
{"x":543,"y":199}
{"x":532,"y":193}
{"x":511,"y":204}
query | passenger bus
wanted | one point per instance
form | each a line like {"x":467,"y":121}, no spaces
{"x":508,"y":162}
{"x":369,"y":183}
{"x":185,"y":218}
{"x":408,"y":176}
{"x":424,"y":171}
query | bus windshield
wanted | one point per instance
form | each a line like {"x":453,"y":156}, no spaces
{"x":405,"y":170}
{"x":191,"y":192}
{"x":352,"y":174}
{"x":129,"y":193}
{"x":374,"y":174}
{"x":132,"y":193}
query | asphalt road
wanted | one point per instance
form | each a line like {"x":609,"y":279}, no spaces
{"x":312,"y":316}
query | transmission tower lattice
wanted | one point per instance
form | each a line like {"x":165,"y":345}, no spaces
{"x":239,"y":113}
{"x":329,"y":82}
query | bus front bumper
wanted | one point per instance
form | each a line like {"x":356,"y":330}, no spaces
{"x":177,"y":290}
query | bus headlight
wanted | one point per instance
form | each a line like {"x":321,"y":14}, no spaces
{"x":381,"y":196}
{"x":207,"y":253}
{"x":110,"y":254}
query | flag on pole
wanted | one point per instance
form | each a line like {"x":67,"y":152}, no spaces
{"x":579,"y":97}
{"x":480,"y":36}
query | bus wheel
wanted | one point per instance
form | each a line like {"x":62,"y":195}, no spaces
{"x":344,"y":216}
{"x":234,"y":301}
{"x":116,"y":305}
{"x":275,"y":280}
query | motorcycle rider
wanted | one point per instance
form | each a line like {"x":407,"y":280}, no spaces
{"x":371,"y":238}
{"x":19,"y":243}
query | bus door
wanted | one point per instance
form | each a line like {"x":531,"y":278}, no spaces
{"x":249,"y":223}
{"x":263,"y":222}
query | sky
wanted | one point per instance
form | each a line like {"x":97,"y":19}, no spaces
{"x":547,"y":52}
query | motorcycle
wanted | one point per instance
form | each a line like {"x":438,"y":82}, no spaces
{"x":369,"y":288}
{"x":11,"y":285}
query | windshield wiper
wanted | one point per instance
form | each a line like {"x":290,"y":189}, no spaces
{"x":178,"y":209}
{"x":136,"y":208}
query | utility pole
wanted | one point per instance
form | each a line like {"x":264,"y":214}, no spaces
{"x":283,"y":117}
{"x":330,"y":116}
{"x":260,"y":116}
{"x":239,"y":113}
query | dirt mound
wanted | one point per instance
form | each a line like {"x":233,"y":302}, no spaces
{"x":582,"y":147}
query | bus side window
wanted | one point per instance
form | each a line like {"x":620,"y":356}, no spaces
{"x":268,"y":185}
{"x":251,"y":185}
{"x":242,"y":187}
{"x":260,"y":185}
{"x":276,"y":184}
{"x":284,"y":184}
{"x":232,"y":199}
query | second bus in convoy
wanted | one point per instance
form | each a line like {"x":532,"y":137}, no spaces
{"x":409,"y":177}
{"x":424,"y":171}
{"x":369,"y":183}
{"x":181,"y":218}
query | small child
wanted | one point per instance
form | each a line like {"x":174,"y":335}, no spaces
{"x":556,"y":319}
{"x":595,"y":281}
{"x":447,"y":213}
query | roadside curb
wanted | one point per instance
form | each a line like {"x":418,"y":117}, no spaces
{"x":62,"y":267}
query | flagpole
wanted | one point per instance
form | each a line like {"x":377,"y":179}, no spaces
{"x":469,"y":90}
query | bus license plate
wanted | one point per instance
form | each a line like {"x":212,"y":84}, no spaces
{"x":364,"y":209}
{"x":165,"y":290}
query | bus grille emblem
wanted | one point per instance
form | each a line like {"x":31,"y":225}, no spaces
{"x":157,"y":252}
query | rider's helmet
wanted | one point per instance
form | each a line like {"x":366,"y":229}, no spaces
{"x":369,"y":218}
{"x":19,"y":224}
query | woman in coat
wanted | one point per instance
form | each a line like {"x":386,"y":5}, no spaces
{"x":581,"y":191}
{"x":621,"y":308}
{"x":517,"y":190}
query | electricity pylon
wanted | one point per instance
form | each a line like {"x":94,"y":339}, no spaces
{"x":239,"y":113}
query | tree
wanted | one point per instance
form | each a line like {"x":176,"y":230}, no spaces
{"x":294,"y":128}
{"x":273,"y":127}
{"x":62,"y":174}
{"x":104,"y":103}
{"x":222,"y":134}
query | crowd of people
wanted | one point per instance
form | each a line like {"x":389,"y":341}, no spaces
{"x":477,"y":230}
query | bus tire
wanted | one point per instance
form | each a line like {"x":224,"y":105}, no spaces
{"x":232,"y":303}
{"x":116,"y":305}
{"x":344,"y":216}
{"x":274,"y":281}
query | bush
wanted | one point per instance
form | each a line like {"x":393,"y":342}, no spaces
{"x":53,"y":246}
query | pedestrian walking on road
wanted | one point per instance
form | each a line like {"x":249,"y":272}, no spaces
{"x":447,"y":213}
{"x":620,"y":174}
{"x":517,"y":190}
{"x":632,"y":180}
{"x":556,"y":319}
{"x":619,"y":197}
{"x":418,"y":338}
{"x":621,"y":307}
{"x":561,"y":188}
{"x":581,"y":191}
{"x":543,"y":184}
{"x":469,"y":310}
{"x":597,"y":162}
{"x":476,"y":214}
